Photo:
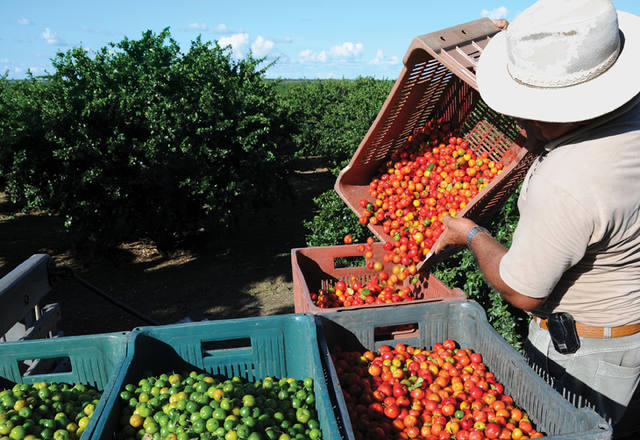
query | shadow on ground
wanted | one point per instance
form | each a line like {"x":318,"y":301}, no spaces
{"x":222,"y":277}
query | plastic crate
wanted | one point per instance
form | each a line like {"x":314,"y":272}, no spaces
{"x":91,"y":360}
{"x":315,"y":268}
{"x":252,"y":348}
{"x":466,"y":323}
{"x":438,"y":81}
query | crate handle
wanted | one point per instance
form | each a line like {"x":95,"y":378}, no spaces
{"x":349,"y":259}
{"x":396,"y":331}
{"x":215,"y":347}
{"x":39,"y":366}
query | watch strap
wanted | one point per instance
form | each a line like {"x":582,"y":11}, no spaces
{"x":473,"y":231}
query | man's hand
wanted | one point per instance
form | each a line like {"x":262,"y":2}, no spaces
{"x":455,"y":233}
{"x":488,"y":253}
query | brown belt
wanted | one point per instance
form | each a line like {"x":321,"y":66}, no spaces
{"x":589,"y":331}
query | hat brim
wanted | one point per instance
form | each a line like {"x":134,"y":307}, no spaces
{"x":580,"y":102}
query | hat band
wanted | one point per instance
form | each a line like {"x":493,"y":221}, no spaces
{"x":525,"y":77}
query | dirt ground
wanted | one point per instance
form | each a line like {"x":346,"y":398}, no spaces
{"x":251,"y":277}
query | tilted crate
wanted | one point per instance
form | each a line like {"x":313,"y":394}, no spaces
{"x":438,"y":81}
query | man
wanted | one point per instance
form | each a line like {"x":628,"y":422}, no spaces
{"x":569,"y":72}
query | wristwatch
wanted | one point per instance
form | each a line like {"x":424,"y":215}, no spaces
{"x":473,"y":231}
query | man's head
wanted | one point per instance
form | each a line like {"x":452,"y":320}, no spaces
{"x":562,"y":62}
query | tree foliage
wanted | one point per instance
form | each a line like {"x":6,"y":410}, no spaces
{"x":143,"y":140}
{"x":333,"y":116}
{"x":333,"y":220}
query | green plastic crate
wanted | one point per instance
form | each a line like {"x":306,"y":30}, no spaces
{"x":424,"y":325}
{"x":252,"y":348}
{"x":93,"y":360}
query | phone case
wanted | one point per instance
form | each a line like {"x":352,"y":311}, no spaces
{"x":562,"y":329}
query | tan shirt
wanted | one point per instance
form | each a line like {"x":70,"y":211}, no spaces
{"x":578,"y":237}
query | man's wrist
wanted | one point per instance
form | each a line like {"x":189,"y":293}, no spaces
{"x":472,"y":233}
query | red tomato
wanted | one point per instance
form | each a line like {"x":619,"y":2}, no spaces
{"x":392,"y":411}
{"x":449,"y":344}
{"x":492,"y":430}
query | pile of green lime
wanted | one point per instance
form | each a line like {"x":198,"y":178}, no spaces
{"x":57,"y":411}
{"x":195,"y":405}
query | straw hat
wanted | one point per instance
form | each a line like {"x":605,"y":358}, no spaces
{"x":562,"y":61}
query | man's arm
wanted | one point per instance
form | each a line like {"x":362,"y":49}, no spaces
{"x":488,"y":252}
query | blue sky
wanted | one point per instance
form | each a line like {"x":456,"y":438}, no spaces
{"x":320,"y":39}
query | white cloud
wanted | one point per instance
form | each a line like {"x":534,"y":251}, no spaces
{"x":197,"y":26}
{"x":49,"y":36}
{"x":341,"y":52}
{"x":222,"y":29}
{"x":308,"y":55}
{"x":24,"y":21}
{"x":305,"y":54}
{"x":52,"y":39}
{"x":219,"y":29}
{"x":17,"y":70}
{"x":236,"y":41}
{"x":499,"y":12}
{"x":260,"y":47}
{"x":346,"y":50}
{"x":380,"y":59}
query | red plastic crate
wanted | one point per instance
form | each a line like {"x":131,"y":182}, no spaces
{"x":315,"y":268}
{"x":438,"y":81}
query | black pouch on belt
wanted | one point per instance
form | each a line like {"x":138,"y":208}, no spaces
{"x":562,"y":329}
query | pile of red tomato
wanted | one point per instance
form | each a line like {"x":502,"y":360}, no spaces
{"x":381,"y":288}
{"x":355,"y":293}
{"x":434,"y":174}
{"x":443,"y":393}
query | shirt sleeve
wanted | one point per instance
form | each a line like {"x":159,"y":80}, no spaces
{"x":552,"y":235}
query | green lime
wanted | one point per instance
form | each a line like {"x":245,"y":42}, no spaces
{"x":248,"y":400}
{"x":61,"y":434}
{"x":191,"y":406}
{"x":311,"y":399}
{"x":212,"y":424}
{"x":198,"y":426}
{"x":17,"y":433}
{"x":206,"y":412}
{"x":243,"y":431}
{"x":219,"y":414}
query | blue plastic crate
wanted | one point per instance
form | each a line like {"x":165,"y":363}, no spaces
{"x":423,"y":325}
{"x":252,"y":348}
{"x":93,"y":360}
